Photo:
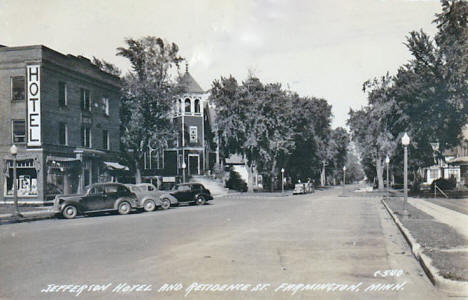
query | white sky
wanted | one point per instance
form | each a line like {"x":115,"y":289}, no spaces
{"x":322,"y":48}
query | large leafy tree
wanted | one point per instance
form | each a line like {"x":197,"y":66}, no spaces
{"x":426,"y":98}
{"x":371,"y":126}
{"x":312,"y":129}
{"x":147,"y":97}
{"x":431,"y":90}
{"x":253,"y":119}
{"x":274,"y":128}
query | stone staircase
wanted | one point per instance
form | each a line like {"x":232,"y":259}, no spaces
{"x":216,"y":187}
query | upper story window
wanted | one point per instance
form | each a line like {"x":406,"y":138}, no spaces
{"x":105,"y":102}
{"x":17,"y":88}
{"x":62,"y":86}
{"x":18,"y":131}
{"x":86,"y":137}
{"x":63,"y":134}
{"x":188,"y":107}
{"x":197,"y":106}
{"x":193,"y":134}
{"x":85,"y":100}
{"x":105,"y":140}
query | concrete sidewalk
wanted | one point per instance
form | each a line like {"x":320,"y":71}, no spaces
{"x":454,"y":219}
{"x":7,"y":213}
{"x":437,"y":239}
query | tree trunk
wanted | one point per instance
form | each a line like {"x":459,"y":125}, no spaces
{"x":137,"y":173}
{"x":379,"y":169}
{"x":250,"y":180}
{"x":322,"y":176}
{"x":273,"y":176}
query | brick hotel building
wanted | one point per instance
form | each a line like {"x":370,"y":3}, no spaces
{"x":62,"y":112}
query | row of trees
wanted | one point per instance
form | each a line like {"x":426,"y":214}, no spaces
{"x":274,"y":128}
{"x":427,"y":98}
{"x":271,"y":127}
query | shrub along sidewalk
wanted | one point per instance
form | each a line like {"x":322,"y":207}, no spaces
{"x":446,"y":248}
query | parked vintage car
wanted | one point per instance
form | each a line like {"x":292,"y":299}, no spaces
{"x":188,"y":193}
{"x":98,"y":197}
{"x":303,"y":188}
{"x":148,"y":196}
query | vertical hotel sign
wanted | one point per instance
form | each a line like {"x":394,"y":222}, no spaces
{"x":34,"y":105}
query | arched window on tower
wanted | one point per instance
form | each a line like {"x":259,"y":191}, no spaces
{"x":197,"y":106}
{"x":187,"y":105}
{"x":177,"y":108}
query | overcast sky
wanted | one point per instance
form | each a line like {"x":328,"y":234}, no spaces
{"x":318,"y":48}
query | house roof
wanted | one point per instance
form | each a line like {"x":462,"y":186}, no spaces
{"x":189,"y":84}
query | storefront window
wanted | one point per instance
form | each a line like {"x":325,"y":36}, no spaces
{"x":26,"y":178}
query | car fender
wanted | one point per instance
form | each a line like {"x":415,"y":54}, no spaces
{"x":61,"y":203}
{"x":170,"y":197}
{"x":206,"y":196}
{"x":156,"y":200}
{"x":132,"y":202}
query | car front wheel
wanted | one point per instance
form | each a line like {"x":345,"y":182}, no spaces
{"x":201,"y":200}
{"x":124,"y":208}
{"x":149,"y":206}
{"x":165,"y":203}
{"x":69,"y":212}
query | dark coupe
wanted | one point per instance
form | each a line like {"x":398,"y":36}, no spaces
{"x":98,"y":197}
{"x":189,"y":193}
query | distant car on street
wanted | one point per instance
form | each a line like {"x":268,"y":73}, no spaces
{"x":98,"y":197}
{"x":148,"y":196}
{"x":191,"y":193}
{"x":303,"y":188}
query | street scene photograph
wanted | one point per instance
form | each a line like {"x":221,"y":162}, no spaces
{"x":250,"y":149}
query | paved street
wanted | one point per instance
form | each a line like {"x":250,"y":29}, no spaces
{"x":313,"y":239}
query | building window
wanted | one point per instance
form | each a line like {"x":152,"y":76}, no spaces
{"x":26,"y":179}
{"x":193,"y":134}
{"x":197,"y":106}
{"x":434,"y":173}
{"x":452,"y":172}
{"x":187,"y":106}
{"x":18,"y":131}
{"x":86,"y":137}
{"x":17,"y":88}
{"x":105,"y":101}
{"x":63,"y":134}
{"x":62,"y":94}
{"x":85,"y":100}
{"x":105,"y":140}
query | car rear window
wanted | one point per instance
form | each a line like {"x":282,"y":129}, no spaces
{"x":183,"y":188}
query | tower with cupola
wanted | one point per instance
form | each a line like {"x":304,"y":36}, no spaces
{"x":188,"y":153}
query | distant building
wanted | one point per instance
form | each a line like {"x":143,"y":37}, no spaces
{"x":454,"y":163}
{"x":192,"y":151}
{"x":62,"y":113}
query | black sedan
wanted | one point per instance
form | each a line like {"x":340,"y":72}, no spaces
{"x":98,"y":197}
{"x":189,"y":193}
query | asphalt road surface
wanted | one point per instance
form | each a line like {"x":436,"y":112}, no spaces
{"x":315,"y":246}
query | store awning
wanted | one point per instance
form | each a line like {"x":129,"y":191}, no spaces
{"x":61,"y":159}
{"x":115,"y":166}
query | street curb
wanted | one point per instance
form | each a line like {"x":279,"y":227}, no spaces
{"x":27,"y":217}
{"x":251,"y":195}
{"x":451,"y":287}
